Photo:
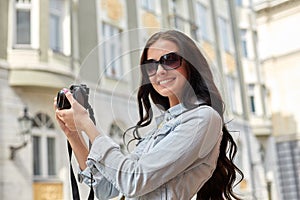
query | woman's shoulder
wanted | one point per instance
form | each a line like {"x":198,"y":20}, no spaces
{"x":207,"y":112}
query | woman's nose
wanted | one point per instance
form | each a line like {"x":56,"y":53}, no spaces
{"x":161,"y":70}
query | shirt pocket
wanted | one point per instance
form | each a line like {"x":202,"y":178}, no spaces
{"x":163,"y":132}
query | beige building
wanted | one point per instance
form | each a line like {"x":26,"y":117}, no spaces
{"x":49,"y":44}
{"x":279,"y":51}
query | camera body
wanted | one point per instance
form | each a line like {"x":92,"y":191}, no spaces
{"x":79,"y":92}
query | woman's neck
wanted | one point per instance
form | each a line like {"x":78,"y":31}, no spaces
{"x":173,"y":100}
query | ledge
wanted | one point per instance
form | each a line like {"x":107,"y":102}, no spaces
{"x":39,"y":78}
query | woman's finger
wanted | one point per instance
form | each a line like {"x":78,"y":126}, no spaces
{"x":70,"y":97}
{"x":55,"y":103}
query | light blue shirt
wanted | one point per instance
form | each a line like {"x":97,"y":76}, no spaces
{"x":171,"y":162}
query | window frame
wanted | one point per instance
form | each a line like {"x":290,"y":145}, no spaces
{"x":252,"y":99}
{"x":112,"y":57}
{"x":239,"y":3}
{"x":23,"y":6}
{"x":234,"y":94}
{"x":224,"y":33}
{"x":60,"y":15}
{"x":202,"y":13}
{"x":244,"y":44}
{"x":149,"y":5}
{"x":44,"y":130}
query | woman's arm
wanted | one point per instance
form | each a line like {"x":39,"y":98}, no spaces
{"x":76,"y":141}
{"x":103,"y":188}
{"x":192,"y":140}
{"x":80,"y":150}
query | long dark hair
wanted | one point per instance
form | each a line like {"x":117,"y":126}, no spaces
{"x":200,"y":85}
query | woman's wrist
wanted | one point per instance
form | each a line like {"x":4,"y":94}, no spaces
{"x":91,"y":130}
{"x":73,"y":136}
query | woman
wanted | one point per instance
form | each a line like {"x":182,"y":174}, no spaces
{"x":185,"y":155}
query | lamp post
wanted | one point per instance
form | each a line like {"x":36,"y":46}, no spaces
{"x":25,"y":123}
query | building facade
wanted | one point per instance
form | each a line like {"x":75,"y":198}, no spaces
{"x":279,"y":49}
{"x":50,"y":44}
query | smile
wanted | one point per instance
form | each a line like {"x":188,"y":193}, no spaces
{"x":165,"y":81}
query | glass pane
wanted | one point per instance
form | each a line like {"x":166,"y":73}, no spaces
{"x":112,"y":51}
{"x":244,"y":42}
{"x":239,"y":2}
{"x":202,"y":19}
{"x":148,"y":5}
{"x":36,"y":155}
{"x":51,"y":156}
{"x":54,"y":33}
{"x":223,"y":24}
{"x":232,"y":99}
{"x":23,"y":27}
{"x":56,"y":5}
{"x":42,"y":120}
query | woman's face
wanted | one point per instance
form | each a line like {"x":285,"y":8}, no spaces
{"x":168,"y":83}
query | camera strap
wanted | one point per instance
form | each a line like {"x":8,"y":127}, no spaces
{"x":74,"y":186}
{"x":75,"y":190}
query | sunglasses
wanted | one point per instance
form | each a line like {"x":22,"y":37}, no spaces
{"x":168,"y":61}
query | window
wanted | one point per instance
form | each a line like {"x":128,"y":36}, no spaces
{"x":224,"y":33}
{"x":239,"y":3}
{"x":234,"y":94}
{"x":55,"y":23}
{"x":251,"y":92}
{"x":202,"y":21}
{"x":112,"y":60}
{"x":288,"y":163}
{"x":36,"y":155}
{"x":148,"y":5}
{"x":44,"y":147}
{"x":244,"y":42}
{"x":232,"y":89}
{"x":23,"y":22}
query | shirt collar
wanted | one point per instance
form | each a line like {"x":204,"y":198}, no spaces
{"x":170,"y":114}
{"x":174,"y":111}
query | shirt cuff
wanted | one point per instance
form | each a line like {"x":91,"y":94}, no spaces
{"x":100,"y":147}
{"x":89,"y":175}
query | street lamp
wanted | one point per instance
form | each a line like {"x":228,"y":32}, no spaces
{"x":25,"y":124}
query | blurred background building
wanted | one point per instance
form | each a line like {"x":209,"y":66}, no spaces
{"x":50,"y":44}
{"x":279,"y":52}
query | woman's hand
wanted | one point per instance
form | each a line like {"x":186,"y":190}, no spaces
{"x":73,"y":119}
{"x":66,"y":123}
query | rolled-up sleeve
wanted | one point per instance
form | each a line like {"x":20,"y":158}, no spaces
{"x":192,"y":137}
{"x":92,"y":177}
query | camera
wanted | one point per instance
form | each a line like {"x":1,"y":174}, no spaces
{"x":79,"y":92}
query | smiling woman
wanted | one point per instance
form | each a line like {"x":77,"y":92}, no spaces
{"x":167,"y":81}
{"x":186,"y":154}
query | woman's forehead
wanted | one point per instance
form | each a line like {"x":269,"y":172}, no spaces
{"x":161,"y":47}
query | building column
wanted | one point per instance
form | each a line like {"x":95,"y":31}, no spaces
{"x":44,"y":30}
{"x":3,"y":28}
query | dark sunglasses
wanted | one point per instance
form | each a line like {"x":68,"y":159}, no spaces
{"x":168,"y":61}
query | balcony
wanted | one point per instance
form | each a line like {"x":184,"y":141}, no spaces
{"x":262,"y":127}
{"x":26,"y":68}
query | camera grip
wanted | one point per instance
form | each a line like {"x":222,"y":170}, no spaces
{"x":62,"y":101}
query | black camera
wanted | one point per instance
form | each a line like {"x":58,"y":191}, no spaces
{"x":79,"y":92}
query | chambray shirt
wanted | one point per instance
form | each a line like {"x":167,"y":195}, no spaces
{"x":172,"y":162}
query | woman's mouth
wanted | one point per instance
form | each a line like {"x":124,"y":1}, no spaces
{"x":166,"y":81}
